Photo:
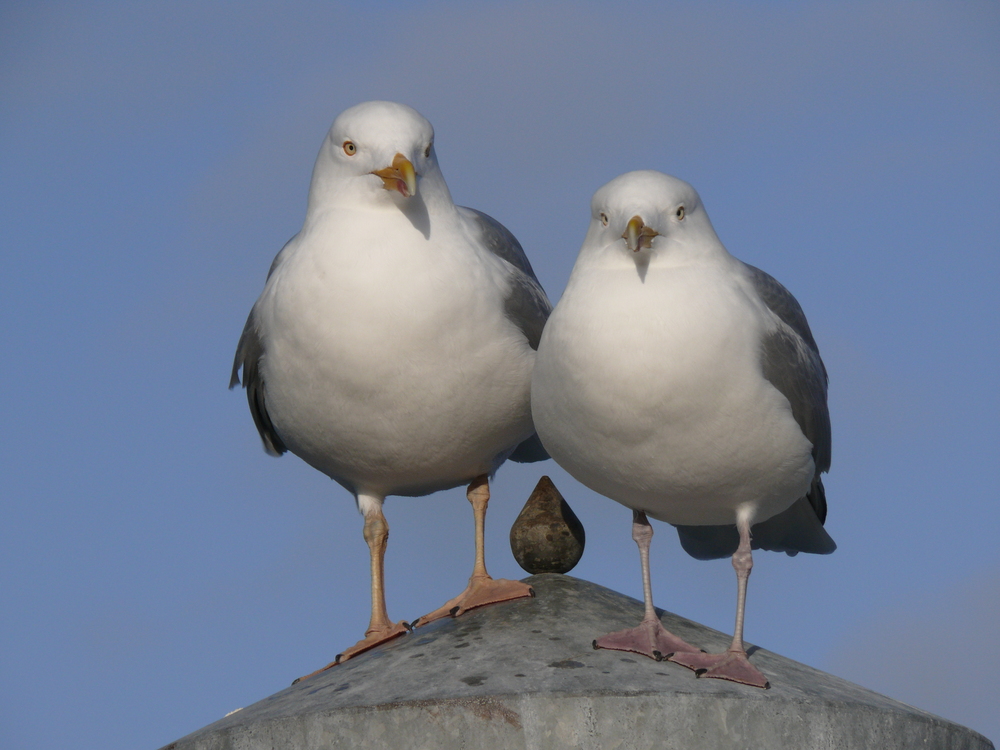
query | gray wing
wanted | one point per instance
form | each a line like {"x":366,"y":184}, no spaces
{"x":526,"y":305}
{"x":798,"y":529}
{"x":529,"y":451}
{"x":791,"y":363}
{"x":781,"y":302}
{"x":249,"y":352}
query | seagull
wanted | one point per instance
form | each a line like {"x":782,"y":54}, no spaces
{"x":686,"y":385}
{"x":393,"y":344}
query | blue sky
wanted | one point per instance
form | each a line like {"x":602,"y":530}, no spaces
{"x":159,"y":570}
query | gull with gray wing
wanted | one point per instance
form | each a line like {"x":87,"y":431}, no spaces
{"x":686,"y":385}
{"x":393,"y":344}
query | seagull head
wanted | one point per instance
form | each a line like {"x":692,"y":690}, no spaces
{"x":375,"y":151}
{"x":647,"y":213}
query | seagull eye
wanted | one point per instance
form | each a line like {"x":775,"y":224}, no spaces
{"x":604,"y":218}
{"x":427,"y":151}
{"x":680,"y":213}
{"x":349,"y":148}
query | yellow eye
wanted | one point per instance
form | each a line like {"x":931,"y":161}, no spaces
{"x":427,"y":151}
{"x":604,"y":218}
{"x":680,"y":213}
{"x":349,"y":148}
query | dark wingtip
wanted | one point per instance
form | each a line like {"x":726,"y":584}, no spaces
{"x":234,"y":377}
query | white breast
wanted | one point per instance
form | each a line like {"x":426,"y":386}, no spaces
{"x":389,"y":365}
{"x":651,"y":393}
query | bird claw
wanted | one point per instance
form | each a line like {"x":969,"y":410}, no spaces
{"x":479,"y":593}
{"x":730,"y":665}
{"x":648,"y":638}
{"x":370,"y":641}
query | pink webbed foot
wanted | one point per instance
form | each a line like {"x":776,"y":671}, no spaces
{"x":648,"y":638}
{"x":482,"y":589}
{"x":480,"y":592}
{"x":372,"y":639}
{"x":732,"y":665}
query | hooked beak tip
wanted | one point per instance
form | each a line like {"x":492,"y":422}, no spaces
{"x":638,"y":235}
{"x":632,"y":233}
{"x":399,"y":176}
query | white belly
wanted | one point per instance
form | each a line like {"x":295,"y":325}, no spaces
{"x":652,"y":395}
{"x":393,"y":370}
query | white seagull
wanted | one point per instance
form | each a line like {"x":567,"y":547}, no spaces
{"x":393,"y":344}
{"x":686,"y":385}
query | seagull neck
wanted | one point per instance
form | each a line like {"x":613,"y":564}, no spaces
{"x":435,"y":192}
{"x":327,"y":194}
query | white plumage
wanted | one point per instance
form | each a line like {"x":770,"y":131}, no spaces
{"x":683,"y":383}
{"x":393,"y":344}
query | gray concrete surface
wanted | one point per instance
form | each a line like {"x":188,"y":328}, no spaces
{"x":523,"y":674}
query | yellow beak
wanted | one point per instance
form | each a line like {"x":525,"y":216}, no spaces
{"x":400,"y":176}
{"x":637,"y":235}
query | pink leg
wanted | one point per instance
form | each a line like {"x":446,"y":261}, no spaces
{"x":649,"y":637}
{"x":733,"y":664}
{"x":380,"y":627}
{"x":482,"y":588}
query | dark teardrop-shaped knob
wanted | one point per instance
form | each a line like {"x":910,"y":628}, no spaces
{"x":547,"y":537}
